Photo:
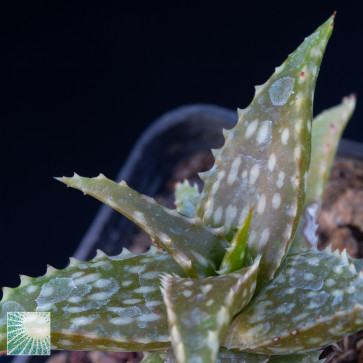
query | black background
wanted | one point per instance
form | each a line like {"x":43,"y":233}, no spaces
{"x":79,"y":83}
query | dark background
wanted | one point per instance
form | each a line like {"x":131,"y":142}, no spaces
{"x":79,"y":84}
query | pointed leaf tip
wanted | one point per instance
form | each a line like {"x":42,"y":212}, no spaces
{"x":255,"y":168}
{"x":327,"y":130}
{"x":184,"y":238}
{"x":314,"y":300}
{"x":199,"y":310}
{"x":110,"y":303}
{"x":234,"y":258}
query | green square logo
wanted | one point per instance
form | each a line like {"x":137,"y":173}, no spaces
{"x":28,"y":333}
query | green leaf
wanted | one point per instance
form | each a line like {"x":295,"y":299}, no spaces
{"x":196,"y":248}
{"x":153,"y":357}
{"x":186,"y":197}
{"x":199,"y":310}
{"x":327,"y":131}
{"x":108,"y":303}
{"x":230,"y":356}
{"x":234,"y":257}
{"x":255,"y":168}
{"x":358,"y":263}
{"x":315,"y":299}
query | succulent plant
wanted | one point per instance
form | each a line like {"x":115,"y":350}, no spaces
{"x":240,"y":278}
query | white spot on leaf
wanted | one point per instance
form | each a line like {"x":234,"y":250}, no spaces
{"x":271,"y":162}
{"x":285,"y":135}
{"x":218,"y":215}
{"x":261,"y":204}
{"x":251,"y":128}
{"x":264,"y":132}
{"x":280,"y":179}
{"x":276,"y":200}
{"x":281,"y":90}
{"x":234,"y":171}
{"x":254,"y":173}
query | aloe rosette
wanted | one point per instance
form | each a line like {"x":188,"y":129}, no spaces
{"x":240,"y":278}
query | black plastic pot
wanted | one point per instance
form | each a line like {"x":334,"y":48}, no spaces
{"x":171,"y":138}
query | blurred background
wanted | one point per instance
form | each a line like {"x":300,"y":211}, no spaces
{"x":80,"y":83}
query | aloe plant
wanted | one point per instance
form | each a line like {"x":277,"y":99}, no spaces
{"x":239,"y":277}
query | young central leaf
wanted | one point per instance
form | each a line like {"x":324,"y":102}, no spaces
{"x":265,"y":160}
{"x":198,"y":249}
{"x":234,"y":257}
{"x":199,"y":310}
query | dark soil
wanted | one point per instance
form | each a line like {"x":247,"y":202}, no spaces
{"x":341,"y":223}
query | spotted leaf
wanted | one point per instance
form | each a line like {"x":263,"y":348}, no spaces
{"x":199,"y":310}
{"x":186,"y":197}
{"x":234,"y":257}
{"x":315,"y":300}
{"x":255,"y":168}
{"x":327,"y":130}
{"x":108,"y":303}
{"x":196,"y":248}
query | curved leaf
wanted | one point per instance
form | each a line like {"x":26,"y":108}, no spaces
{"x":254,"y":169}
{"x":315,"y":300}
{"x":196,"y":248}
{"x":108,"y":303}
{"x":327,"y":131}
{"x":199,"y":310}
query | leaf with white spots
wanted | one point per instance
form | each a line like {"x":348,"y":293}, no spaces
{"x":199,"y":310}
{"x":327,"y":131}
{"x":186,"y":197}
{"x":108,"y":303}
{"x":235,"y":254}
{"x":255,"y":168}
{"x":197,"y":248}
{"x":315,"y":299}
